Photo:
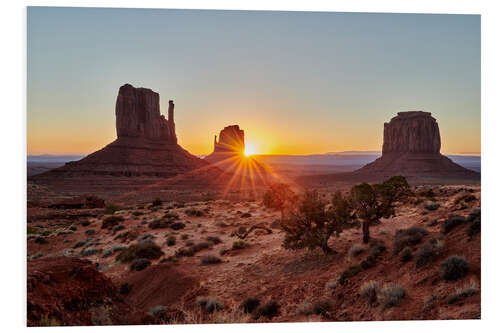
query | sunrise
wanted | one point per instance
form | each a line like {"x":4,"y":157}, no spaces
{"x":213,"y":166}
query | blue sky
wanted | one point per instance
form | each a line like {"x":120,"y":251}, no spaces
{"x":296,"y":82}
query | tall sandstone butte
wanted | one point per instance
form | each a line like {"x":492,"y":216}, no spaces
{"x":412,"y":145}
{"x":146,"y":143}
{"x":231,"y":144}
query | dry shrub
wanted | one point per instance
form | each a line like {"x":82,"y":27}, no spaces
{"x":369,"y":291}
{"x":452,"y":222}
{"x":468,"y":290}
{"x":210,"y":260}
{"x":429,"y":252}
{"x":408,"y":237}
{"x":356,"y":250}
{"x":146,"y":250}
{"x":392,"y":295}
{"x":111,"y":221}
{"x":250,"y":304}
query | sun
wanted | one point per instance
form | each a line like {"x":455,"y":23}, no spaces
{"x":249,"y":150}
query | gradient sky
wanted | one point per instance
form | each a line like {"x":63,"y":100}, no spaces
{"x":296,"y":82}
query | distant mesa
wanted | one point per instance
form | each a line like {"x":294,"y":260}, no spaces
{"x":146,"y":143}
{"x":231,"y":144}
{"x":411,"y":148}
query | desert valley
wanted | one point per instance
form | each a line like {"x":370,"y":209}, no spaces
{"x":144,"y":232}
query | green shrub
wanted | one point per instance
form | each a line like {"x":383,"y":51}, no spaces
{"x":430,"y":302}
{"x":37,"y":255}
{"x":429,"y":205}
{"x":111,"y":221}
{"x":322,"y":307}
{"x":171,"y":215}
{"x":392,"y":295}
{"x":210,"y":260}
{"x":177,"y":226}
{"x":331,"y":285}
{"x":408,"y":237}
{"x":89,"y":251}
{"x":454,"y":268}
{"x":194,"y":212}
{"x":350,"y":272}
{"x":201,"y":246}
{"x":141,"y":250}
{"x":465,"y":198}
{"x":428,"y":252}
{"x":452,"y":222}
{"x":214,"y":239}
{"x":156,"y":202}
{"x":426,"y":193}
{"x":159,"y":312}
{"x":377,"y":247}
{"x":406,"y":254}
{"x":111,"y":209}
{"x":139,"y":264}
{"x":159,"y":224}
{"x":356,"y":250}
{"x":80,"y":244}
{"x":475,"y":223}
{"x":41,"y":240}
{"x":125,"y":288}
{"x":112,"y":250}
{"x":239,"y":244}
{"x":171,"y":240}
{"x":209,"y":304}
{"x":250,"y":304}
{"x":268,"y":310}
{"x":467,"y":290}
{"x":369,"y":291}
{"x":185,"y":252}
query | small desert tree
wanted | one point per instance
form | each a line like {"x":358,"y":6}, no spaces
{"x":314,"y":221}
{"x":376,"y":201}
{"x":280,"y":197}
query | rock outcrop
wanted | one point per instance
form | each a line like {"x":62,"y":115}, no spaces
{"x":231,"y":139}
{"x":231,"y":145}
{"x":146,"y":143}
{"x":412,"y":132}
{"x":65,"y":291}
{"x":138,"y":115}
{"x":411,"y":148}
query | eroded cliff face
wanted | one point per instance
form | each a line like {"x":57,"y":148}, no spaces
{"x":412,"y":132}
{"x":138,"y":115}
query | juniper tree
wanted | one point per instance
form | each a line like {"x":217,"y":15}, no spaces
{"x":314,"y":221}
{"x":376,"y":201}
{"x":280,"y":197}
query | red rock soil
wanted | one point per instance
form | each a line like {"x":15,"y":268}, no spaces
{"x":264,"y":269}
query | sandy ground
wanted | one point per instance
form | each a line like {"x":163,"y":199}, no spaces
{"x":264,"y":269}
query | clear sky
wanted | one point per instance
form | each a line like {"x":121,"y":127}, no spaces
{"x":296,"y":82}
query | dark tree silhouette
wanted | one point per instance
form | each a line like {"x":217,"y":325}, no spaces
{"x":280,"y":197}
{"x":313,"y":221}
{"x":376,"y":201}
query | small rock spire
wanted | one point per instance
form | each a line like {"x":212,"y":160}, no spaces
{"x":171,"y":111}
